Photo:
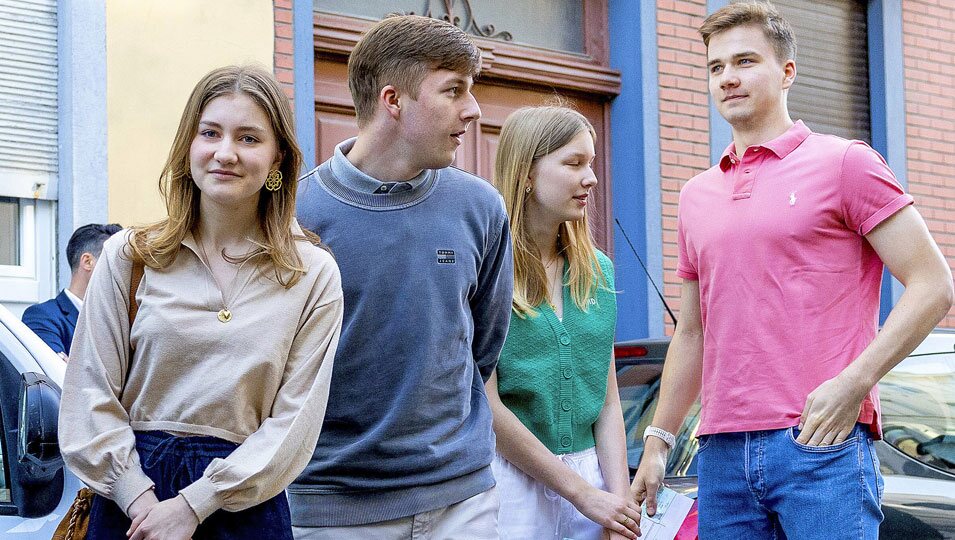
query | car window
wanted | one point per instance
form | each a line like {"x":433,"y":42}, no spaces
{"x":918,"y":409}
{"x":639,"y":392}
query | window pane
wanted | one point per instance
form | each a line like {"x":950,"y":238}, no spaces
{"x":553,"y":24}
{"x":918,"y":409}
{"x":372,"y":9}
{"x":9,"y":231}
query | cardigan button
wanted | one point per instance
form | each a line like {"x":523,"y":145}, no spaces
{"x":565,"y":404}
{"x":567,"y":373}
{"x":565,"y":340}
{"x":565,"y":440}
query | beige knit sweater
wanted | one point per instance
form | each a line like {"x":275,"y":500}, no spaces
{"x":260,"y":380}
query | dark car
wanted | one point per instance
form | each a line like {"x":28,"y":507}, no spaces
{"x":917,"y":452}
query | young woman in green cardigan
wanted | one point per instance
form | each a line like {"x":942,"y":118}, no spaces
{"x":561,"y":467}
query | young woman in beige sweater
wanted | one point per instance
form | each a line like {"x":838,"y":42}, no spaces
{"x":191,"y":422}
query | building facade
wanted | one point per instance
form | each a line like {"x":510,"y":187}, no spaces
{"x":876,"y":70}
{"x":656,"y":127}
{"x":90,"y":96}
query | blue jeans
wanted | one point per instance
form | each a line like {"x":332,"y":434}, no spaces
{"x":175,"y":462}
{"x":763,"y":484}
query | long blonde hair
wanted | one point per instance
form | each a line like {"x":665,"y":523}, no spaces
{"x":157,"y":245}
{"x":527,"y":135}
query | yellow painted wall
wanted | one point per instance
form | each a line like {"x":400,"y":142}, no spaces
{"x":157,"y":50}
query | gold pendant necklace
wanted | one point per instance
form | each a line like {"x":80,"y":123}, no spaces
{"x":224,"y":315}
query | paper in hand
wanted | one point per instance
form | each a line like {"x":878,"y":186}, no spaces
{"x":672,"y":509}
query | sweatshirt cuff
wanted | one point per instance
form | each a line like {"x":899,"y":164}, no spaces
{"x":129,"y":486}
{"x":203,"y":497}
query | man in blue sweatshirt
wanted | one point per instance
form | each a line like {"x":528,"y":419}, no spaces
{"x":427,"y":272}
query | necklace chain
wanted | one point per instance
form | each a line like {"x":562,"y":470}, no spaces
{"x":554,"y":281}
{"x":225,"y":314}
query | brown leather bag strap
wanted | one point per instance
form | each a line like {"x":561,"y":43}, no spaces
{"x":135,"y":277}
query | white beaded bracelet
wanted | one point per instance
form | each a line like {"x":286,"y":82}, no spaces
{"x":661,"y":434}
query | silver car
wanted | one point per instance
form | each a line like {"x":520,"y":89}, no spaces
{"x":35,"y":488}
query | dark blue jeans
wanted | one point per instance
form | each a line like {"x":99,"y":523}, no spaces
{"x":175,"y":462}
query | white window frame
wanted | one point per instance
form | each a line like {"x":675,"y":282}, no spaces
{"x":26,"y":243}
{"x":28,"y":184}
{"x":33,"y":280}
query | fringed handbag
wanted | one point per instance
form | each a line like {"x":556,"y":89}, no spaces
{"x":76,"y":522}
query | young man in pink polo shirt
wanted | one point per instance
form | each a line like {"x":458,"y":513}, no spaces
{"x":782,"y":245}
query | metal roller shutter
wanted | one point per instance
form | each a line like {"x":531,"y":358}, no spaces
{"x":28,"y":90}
{"x":831,"y":93}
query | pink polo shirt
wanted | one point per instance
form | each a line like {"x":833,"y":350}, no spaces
{"x":789,"y":286}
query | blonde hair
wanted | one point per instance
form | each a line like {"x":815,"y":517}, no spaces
{"x":400,"y":50}
{"x":527,"y":135}
{"x":157,"y":245}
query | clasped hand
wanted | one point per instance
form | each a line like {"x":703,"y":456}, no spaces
{"x":172,"y":519}
{"x":615,"y":514}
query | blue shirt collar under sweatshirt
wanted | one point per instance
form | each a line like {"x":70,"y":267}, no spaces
{"x":349,"y":182}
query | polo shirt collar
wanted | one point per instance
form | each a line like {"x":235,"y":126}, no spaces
{"x":352,"y":176}
{"x":781,"y":146}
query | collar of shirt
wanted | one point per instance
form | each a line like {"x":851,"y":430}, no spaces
{"x":358,"y":180}
{"x":781,"y":146}
{"x":77,"y":301}
{"x":189,"y":240}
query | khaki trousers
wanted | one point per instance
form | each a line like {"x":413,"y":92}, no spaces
{"x":470,"y":519}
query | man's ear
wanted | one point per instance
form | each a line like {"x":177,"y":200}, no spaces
{"x":390,"y":99}
{"x":87,"y":261}
{"x":789,"y":74}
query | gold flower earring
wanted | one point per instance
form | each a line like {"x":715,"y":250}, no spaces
{"x":273,"y":182}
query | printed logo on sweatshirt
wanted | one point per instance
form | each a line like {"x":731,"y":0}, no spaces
{"x":445,"y":256}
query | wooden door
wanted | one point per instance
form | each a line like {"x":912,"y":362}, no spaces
{"x":512,"y":76}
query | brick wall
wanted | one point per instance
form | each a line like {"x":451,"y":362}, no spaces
{"x":684,"y":119}
{"x":928,"y":44}
{"x":929,"y":39}
{"x":284,"y":60}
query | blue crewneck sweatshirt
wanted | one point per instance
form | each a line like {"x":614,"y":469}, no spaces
{"x":427,"y":276}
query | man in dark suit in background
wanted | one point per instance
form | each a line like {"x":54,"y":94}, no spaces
{"x":55,"y":320}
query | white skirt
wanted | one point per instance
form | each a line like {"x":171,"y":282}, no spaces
{"x":532,"y":511}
